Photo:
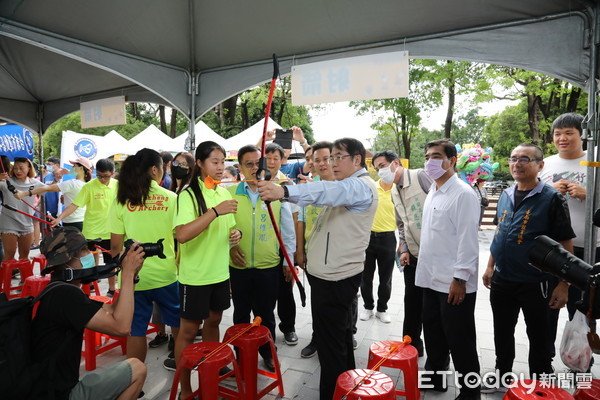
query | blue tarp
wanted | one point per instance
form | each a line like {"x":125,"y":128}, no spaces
{"x":16,"y":141}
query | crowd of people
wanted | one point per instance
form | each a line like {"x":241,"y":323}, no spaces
{"x":341,"y":227}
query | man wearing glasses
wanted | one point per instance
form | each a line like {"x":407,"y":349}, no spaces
{"x":336,"y":251}
{"x":96,"y":196}
{"x":526,"y":210}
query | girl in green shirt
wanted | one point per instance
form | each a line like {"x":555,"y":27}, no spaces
{"x":203,"y":225}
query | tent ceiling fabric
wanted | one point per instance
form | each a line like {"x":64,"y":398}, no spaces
{"x":55,"y":54}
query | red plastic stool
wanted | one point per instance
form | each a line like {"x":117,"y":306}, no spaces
{"x":378,"y":386}
{"x":248,"y":345}
{"x":41,"y":260}
{"x":406,"y":358}
{"x":542,"y":391}
{"x":25,"y":269}
{"x":208,"y":371}
{"x":87,"y":290}
{"x":96,"y":343}
{"x":588,"y":393}
{"x":34,"y":285}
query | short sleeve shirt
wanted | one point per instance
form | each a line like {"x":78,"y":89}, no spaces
{"x":70,"y":189}
{"x":204,"y":260}
{"x":149,"y":223}
{"x":97,"y":199}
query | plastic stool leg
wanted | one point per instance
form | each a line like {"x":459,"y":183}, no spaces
{"x":411,"y":381}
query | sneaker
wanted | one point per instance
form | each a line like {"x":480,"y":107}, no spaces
{"x":199,"y":334}
{"x":290,"y":338}
{"x":309,"y":351}
{"x":170,"y":364}
{"x":159,"y":340}
{"x":269,"y":364}
{"x":366,"y":315}
{"x":354,"y":342}
{"x":110,"y":293}
{"x":171,"y":346}
{"x":171,"y":355}
{"x":383,"y":317}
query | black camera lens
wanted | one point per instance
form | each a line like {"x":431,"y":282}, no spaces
{"x":150,"y":249}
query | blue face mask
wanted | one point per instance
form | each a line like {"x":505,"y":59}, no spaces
{"x":87,"y":261}
{"x":73,"y":172}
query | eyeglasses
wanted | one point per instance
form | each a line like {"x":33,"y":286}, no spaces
{"x":103,"y":177}
{"x":321,"y":160}
{"x":179,"y":164}
{"x":250,"y":164}
{"x":522,"y":160}
{"x":335,"y":159}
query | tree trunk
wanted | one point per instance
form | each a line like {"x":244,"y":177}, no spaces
{"x":229,"y":107}
{"x":133,"y":110}
{"x":405,"y":141}
{"x":163,"y":119}
{"x":173,"y":127}
{"x":451,"y":101}
{"x":573,"y":99}
{"x":281,"y":110}
{"x":245,"y":117}
{"x":533,"y":117}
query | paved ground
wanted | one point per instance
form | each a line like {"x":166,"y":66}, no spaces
{"x":301,"y":376}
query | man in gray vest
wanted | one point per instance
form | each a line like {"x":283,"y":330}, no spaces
{"x":336,"y":251}
{"x":408,"y":197}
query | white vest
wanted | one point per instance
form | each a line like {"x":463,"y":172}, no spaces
{"x":337,"y":245}
{"x":409,"y":200}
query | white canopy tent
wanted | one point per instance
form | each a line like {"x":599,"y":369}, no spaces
{"x":203,"y":133}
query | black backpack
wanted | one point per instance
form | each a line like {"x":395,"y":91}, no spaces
{"x":18,"y":374}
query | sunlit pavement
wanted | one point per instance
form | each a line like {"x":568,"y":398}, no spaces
{"x":301,"y":376}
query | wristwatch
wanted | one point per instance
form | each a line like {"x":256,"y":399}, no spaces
{"x":460,"y":280}
{"x":286,"y":193}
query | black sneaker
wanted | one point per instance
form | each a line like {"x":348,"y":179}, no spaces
{"x":199,"y":334}
{"x":171,"y":343}
{"x":159,"y":340}
{"x":171,"y":355}
{"x":110,"y":293}
{"x":269,"y":364}
{"x":290,"y":338}
{"x":354,"y":343}
{"x":309,"y":351}
{"x":170,"y":364}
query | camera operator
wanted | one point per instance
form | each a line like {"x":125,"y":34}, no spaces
{"x":525,"y":211}
{"x":57,"y":331}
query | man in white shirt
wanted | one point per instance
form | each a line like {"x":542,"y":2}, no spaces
{"x":447,"y":270}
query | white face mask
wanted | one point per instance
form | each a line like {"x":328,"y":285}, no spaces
{"x":433,"y":168}
{"x":386,"y":174}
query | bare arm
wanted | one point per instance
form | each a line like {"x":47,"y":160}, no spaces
{"x":115,"y":319}
{"x":185,"y":233}
{"x":67,"y":211}
{"x":38,"y":190}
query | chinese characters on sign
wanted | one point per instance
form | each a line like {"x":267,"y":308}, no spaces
{"x":378,"y":76}
{"x":103,"y":112}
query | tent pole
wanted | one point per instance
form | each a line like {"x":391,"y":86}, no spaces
{"x":193,"y":82}
{"x":590,"y":132}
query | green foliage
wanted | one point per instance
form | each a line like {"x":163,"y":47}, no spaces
{"x":250,"y":108}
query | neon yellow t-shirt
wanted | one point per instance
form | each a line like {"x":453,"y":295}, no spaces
{"x":385,"y":218}
{"x":145,"y":224}
{"x":97,"y":199}
{"x":204,"y":260}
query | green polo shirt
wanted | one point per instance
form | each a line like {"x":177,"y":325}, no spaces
{"x":149,"y":223}
{"x":204,"y":260}
{"x":97,"y":199}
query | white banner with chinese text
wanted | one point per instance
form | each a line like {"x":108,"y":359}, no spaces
{"x":104,"y":112}
{"x":377,"y":76}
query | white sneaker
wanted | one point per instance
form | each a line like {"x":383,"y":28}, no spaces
{"x":366,"y":315}
{"x":383,"y":317}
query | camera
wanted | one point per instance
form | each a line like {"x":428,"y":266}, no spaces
{"x":150,"y":249}
{"x":283,"y":137}
{"x":549,"y":256}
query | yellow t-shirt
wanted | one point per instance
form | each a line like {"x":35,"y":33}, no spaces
{"x":97,"y":199}
{"x":204,"y":260}
{"x":385,"y":219}
{"x":145,"y":224}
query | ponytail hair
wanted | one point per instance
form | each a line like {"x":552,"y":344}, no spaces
{"x":202,"y":153}
{"x":134,"y":178}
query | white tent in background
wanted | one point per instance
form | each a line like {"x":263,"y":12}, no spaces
{"x":153,"y":138}
{"x":203,"y":133}
{"x":250,"y":135}
{"x":117,"y":142}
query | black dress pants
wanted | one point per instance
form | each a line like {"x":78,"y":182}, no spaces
{"x":286,"y":305}
{"x":331,"y":303}
{"x":450,"y":329}
{"x":413,"y":306}
{"x":507,"y":299}
{"x":380,"y":253}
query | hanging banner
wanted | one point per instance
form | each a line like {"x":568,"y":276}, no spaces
{"x":377,"y":76}
{"x":104,"y":112}
{"x":16,"y":141}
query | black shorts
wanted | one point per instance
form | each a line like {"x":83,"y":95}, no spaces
{"x":197,"y":301}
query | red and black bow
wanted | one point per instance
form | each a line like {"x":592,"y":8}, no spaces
{"x":262,"y":167}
